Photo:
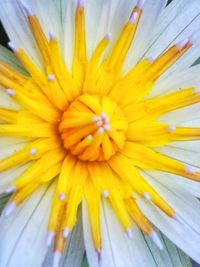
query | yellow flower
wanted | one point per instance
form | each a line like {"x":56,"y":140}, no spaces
{"x":101,"y":126}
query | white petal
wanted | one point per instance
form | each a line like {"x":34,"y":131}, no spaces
{"x":98,"y":18}
{"x":186,"y":156}
{"x":151,"y":13}
{"x":186,"y":236}
{"x":7,"y":177}
{"x":6,"y":101}
{"x":178,"y":21}
{"x":177,"y":183}
{"x":68,"y":28}
{"x":74,"y":251}
{"x":8,"y":150}
{"x":182,"y":116}
{"x":23,"y":235}
{"x":17,"y":28}
{"x":118,"y":250}
{"x":9,"y":58}
{"x":183,"y":79}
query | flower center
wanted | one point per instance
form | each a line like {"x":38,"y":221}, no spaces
{"x":93,"y":128}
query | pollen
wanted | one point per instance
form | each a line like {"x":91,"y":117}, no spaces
{"x":91,"y":129}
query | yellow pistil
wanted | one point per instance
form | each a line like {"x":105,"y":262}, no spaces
{"x":93,"y":130}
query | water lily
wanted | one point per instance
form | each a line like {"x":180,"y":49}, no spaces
{"x":99,"y":110}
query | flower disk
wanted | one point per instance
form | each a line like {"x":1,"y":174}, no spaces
{"x":93,"y":128}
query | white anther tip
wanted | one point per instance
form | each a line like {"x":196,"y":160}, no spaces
{"x":151,"y":59}
{"x":99,"y":123}
{"x":189,"y":169}
{"x":26,"y":8}
{"x":52,"y":36}
{"x":50,"y":238}
{"x":56,"y":259}
{"x":10,"y":92}
{"x":12,"y":47}
{"x":99,"y":253}
{"x":33,"y":151}
{"x":104,"y":115}
{"x":51,"y":78}
{"x":129,"y":233}
{"x":197,"y":89}
{"x":105,"y":193}
{"x":133,"y":18}
{"x":80,"y":3}
{"x":171,"y":128}
{"x":96,"y":118}
{"x":155,"y":238}
{"x":140,"y":3}
{"x":182,"y":43}
{"x":147,"y":196}
{"x":109,"y":36}
{"x":90,"y":137}
{"x":107,"y":127}
{"x":66,"y":232}
{"x":61,"y":196}
{"x":101,"y":130}
{"x":10,"y":189}
{"x":10,"y":207}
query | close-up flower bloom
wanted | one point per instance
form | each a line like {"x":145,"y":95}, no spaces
{"x":100,"y":131}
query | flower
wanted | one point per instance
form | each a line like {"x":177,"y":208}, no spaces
{"x":103,"y":128}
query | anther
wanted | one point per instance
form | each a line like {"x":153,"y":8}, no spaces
{"x":90,"y":137}
{"x":51,"y":78}
{"x":107,"y":127}
{"x":10,"y":189}
{"x":33,"y":151}
{"x":99,"y":123}
{"x":171,"y":128}
{"x":12,"y":47}
{"x":155,"y":238}
{"x":52,"y":36}
{"x":10,"y":207}
{"x":10,"y":92}
{"x":66,"y":232}
{"x":147,"y":196}
{"x":108,"y":36}
{"x":56,"y":258}
{"x":129,"y":233}
{"x":133,"y":18}
{"x":61,"y":196}
{"x":80,"y":4}
{"x":99,"y":255}
{"x":105,"y":193}
{"x":96,"y":118}
{"x":27,"y":10}
{"x":101,"y":130}
{"x":151,"y":59}
{"x":140,"y":3}
{"x":104,"y":115}
{"x":197,"y":89}
{"x":189,"y":169}
{"x":182,"y":43}
{"x":50,"y":238}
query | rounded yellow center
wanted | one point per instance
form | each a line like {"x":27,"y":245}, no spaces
{"x":93,"y":128}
